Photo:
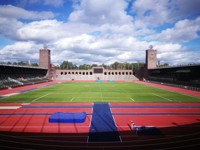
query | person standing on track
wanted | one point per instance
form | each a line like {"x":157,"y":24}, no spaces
{"x":132,"y":125}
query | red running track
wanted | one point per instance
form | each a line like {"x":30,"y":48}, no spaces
{"x":170,"y":88}
{"x":36,"y":119}
{"x":26,"y":87}
{"x":172,"y":121}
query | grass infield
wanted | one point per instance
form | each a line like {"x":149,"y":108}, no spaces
{"x":99,"y":92}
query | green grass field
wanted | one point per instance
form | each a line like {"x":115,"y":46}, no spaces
{"x":99,"y":92}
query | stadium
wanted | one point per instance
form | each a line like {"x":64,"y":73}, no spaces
{"x":149,"y":108}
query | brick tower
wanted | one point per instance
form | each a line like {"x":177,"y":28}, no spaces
{"x":45,"y":58}
{"x":151,"y":58}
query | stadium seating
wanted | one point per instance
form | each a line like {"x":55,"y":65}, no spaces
{"x":13,"y":76}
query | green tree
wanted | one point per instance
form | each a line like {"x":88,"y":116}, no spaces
{"x":67,"y":65}
{"x":34,"y":64}
{"x":21,"y":63}
{"x":115,"y":65}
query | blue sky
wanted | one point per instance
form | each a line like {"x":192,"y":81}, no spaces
{"x":100,"y":31}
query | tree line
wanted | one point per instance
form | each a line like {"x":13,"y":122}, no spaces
{"x":67,"y":65}
{"x":115,"y":66}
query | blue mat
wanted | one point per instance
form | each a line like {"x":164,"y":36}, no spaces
{"x":60,"y":117}
{"x":102,"y":127}
{"x":110,"y":81}
{"x":98,"y":80}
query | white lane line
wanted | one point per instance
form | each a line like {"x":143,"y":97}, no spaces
{"x":90,"y":123}
{"x":132,"y":99}
{"x":25,"y":103}
{"x":11,"y":94}
{"x":40,"y":97}
{"x":114,"y":122}
{"x":9,"y":107}
{"x":162,"y":97}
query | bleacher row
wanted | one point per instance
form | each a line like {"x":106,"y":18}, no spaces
{"x":13,"y":76}
{"x":95,"y":77}
{"x":9,"y":83}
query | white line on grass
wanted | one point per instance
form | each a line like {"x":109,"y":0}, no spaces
{"x":72,"y":99}
{"x":40,"y":97}
{"x":132,"y":99}
{"x":102,"y":97}
{"x":162,"y":97}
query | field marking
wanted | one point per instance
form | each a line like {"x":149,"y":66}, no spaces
{"x":162,"y":97}
{"x":40,"y":97}
{"x":115,"y":100}
{"x":72,"y":99}
{"x":8,"y":95}
{"x":97,"y":97}
{"x":9,"y":107}
{"x":97,"y":100}
{"x":25,"y":103}
{"x":97,"y":93}
{"x":132,"y":99}
{"x":11,"y":94}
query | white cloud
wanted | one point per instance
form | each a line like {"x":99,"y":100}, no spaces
{"x":20,"y":51}
{"x":10,"y":19}
{"x":9,"y":11}
{"x":9,"y":26}
{"x":153,"y":13}
{"x":109,"y":48}
{"x":51,"y":30}
{"x":150,"y":13}
{"x":183,"y":31}
{"x":45,"y":30}
{"x":180,"y":9}
{"x":100,"y":31}
{"x":89,"y":49}
{"x":101,"y":12}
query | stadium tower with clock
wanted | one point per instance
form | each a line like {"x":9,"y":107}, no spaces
{"x":151,"y":58}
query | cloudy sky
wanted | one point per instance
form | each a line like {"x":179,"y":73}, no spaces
{"x":100,"y":31}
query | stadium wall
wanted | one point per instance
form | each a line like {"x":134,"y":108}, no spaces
{"x":95,"y":74}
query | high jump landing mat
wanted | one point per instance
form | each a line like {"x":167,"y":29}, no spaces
{"x":61,"y":117}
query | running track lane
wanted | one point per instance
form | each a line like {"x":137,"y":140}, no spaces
{"x":28,"y":119}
